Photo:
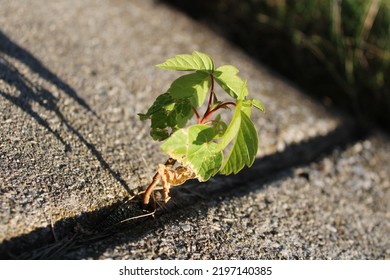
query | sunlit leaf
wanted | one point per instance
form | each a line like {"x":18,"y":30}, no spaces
{"x":244,"y":149}
{"x":187,"y":62}
{"x":256,"y":103}
{"x":232,"y":129}
{"x":194,"y":86}
{"x":194,"y":147}
{"x":226,"y":76}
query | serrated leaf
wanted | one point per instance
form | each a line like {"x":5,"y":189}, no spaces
{"x":167,"y":115}
{"x":194,"y":86}
{"x":244,"y":149}
{"x":194,"y":147}
{"x":226,"y":76}
{"x":186,"y":62}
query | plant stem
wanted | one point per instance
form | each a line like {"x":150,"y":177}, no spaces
{"x":197,"y":114}
{"x":210,"y":113}
{"x":211,"y":94}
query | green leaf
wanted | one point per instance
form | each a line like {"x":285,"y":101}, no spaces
{"x":232,"y":129}
{"x":194,"y":147}
{"x":186,"y":62}
{"x":219,"y":126}
{"x":167,"y":115}
{"x":244,"y":149}
{"x":258,"y":105}
{"x":200,"y":147}
{"x":226,"y":76}
{"x":194,"y":86}
{"x":248,"y":104}
{"x":159,"y":134}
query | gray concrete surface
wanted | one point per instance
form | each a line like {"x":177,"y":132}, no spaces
{"x":73,"y":76}
{"x":333,"y":208}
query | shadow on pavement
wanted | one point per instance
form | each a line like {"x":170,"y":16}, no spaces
{"x":30,"y":93}
{"x":106,"y":222}
{"x":11,"y":49}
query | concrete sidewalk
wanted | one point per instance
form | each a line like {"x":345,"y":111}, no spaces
{"x":74,"y":75}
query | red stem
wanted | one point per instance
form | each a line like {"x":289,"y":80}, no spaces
{"x":209,"y":114}
{"x":197,"y":114}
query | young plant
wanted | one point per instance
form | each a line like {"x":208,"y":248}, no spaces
{"x":199,"y":147}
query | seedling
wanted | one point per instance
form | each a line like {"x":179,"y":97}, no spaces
{"x":201,"y":144}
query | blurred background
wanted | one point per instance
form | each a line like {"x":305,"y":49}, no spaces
{"x":337,"y":50}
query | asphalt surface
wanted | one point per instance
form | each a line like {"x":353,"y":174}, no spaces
{"x":74,"y":75}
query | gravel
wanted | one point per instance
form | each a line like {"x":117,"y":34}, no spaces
{"x":336,"y":207}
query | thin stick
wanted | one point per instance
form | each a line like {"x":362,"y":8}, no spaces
{"x":135,"y":217}
{"x":52,"y":225}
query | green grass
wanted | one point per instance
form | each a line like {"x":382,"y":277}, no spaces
{"x":337,"y":49}
{"x":350,"y":40}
